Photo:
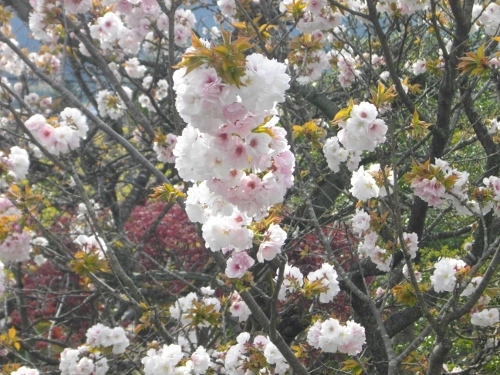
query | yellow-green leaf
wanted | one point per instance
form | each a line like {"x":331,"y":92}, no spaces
{"x":352,"y":366}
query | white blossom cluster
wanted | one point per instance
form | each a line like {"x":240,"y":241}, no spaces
{"x":346,"y":64}
{"x":406,"y":7}
{"x":360,"y":223}
{"x":488,"y":16}
{"x":444,"y":277}
{"x":165,"y":361}
{"x":239,"y":308}
{"x":92,"y":244}
{"x":85,"y":360}
{"x":25,"y":371}
{"x":82,"y":361}
{"x":330,"y":336}
{"x":362,"y":131}
{"x":16,"y":164}
{"x":236,"y":154}
{"x":493,"y":184}
{"x":9,"y":61}
{"x":326,"y":276}
{"x":165,"y":150}
{"x":238,"y":357}
{"x":101,"y":336}
{"x":485,"y":318}
{"x":159,"y":92}
{"x":317,"y":15}
{"x":371,"y":183}
{"x":128,"y":25}
{"x":183,"y":309}
{"x":63,"y":136}
{"x":227,"y":7}
{"x":110,"y":104}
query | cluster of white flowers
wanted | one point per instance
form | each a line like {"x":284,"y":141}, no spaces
{"x":236,"y":154}
{"x":92,"y":244}
{"x":371,"y":183}
{"x":165,"y":150}
{"x":489,"y":17}
{"x":360,"y":223}
{"x":16,"y":164}
{"x":493,"y":184}
{"x":9,"y":61}
{"x":326,"y":276}
{"x":25,"y":371}
{"x":330,"y":336}
{"x":364,"y":186}
{"x":362,"y":131}
{"x":369,"y":248}
{"x":82,"y":361}
{"x":418,"y":274}
{"x":494,"y":126}
{"x":34,"y":101}
{"x":239,"y":308}
{"x":227,"y":7}
{"x":347,"y":69}
{"x":411,"y":243}
{"x":63,"y":136}
{"x":334,"y":153}
{"x":238,"y":357}
{"x":434,"y":192}
{"x":159,"y":92}
{"x":129,"y":24}
{"x":110,"y":104}
{"x":15,"y":247}
{"x":485,"y":318}
{"x":39,"y":26}
{"x":134,"y":68}
{"x":102,"y":336}
{"x":471,"y":287}
{"x":293,"y":280}
{"x":419,"y":67}
{"x":274,"y":357}
{"x":49,"y":63}
{"x":406,"y":7}
{"x":165,"y":361}
{"x":274,"y":238}
{"x":185,"y":308}
{"x":317,"y":15}
{"x":444,"y":277}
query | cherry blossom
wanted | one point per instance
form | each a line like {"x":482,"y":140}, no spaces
{"x":443,"y":279}
{"x":485,"y":318}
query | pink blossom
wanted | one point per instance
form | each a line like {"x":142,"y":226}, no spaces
{"x":275,"y":238}
{"x":35,"y":123}
{"x":239,"y":308}
{"x":364,"y":112}
{"x":430,"y":191}
{"x":238,"y":264}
